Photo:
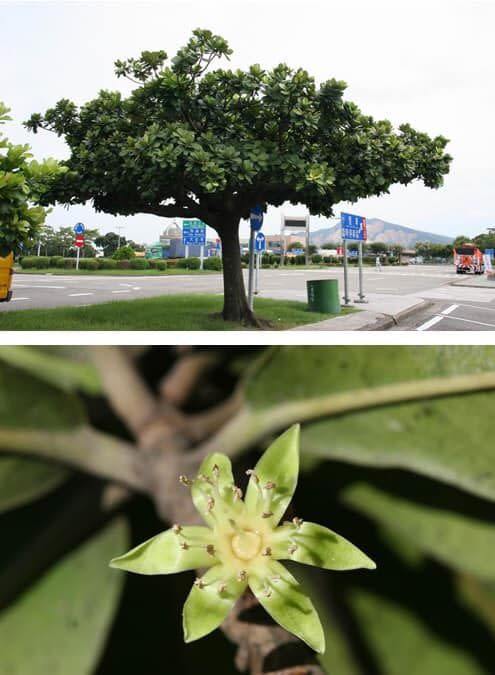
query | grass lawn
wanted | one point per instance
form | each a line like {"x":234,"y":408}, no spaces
{"x":170,"y":312}
{"x":114,"y":273}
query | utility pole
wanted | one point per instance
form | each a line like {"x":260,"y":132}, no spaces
{"x":119,"y":228}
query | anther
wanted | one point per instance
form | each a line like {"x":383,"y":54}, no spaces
{"x":210,"y":503}
{"x":276,"y":578}
{"x":216,"y":471}
{"x":267,"y":592}
{"x":242,"y":575}
{"x":177,"y":529}
{"x":222,"y":588}
{"x":185,"y":481}
{"x":210,"y":549}
{"x":297,"y":522}
{"x":205,"y":478}
{"x":237,"y":493}
{"x":199,"y":583}
{"x":184,"y":545}
{"x":293,"y":548}
{"x":267,"y":514}
{"x":253,"y":475}
{"x":270,"y":485}
{"x":267,"y":551}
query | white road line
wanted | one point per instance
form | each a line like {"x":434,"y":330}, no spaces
{"x":450,"y":309}
{"x":486,"y":309}
{"x":430,"y":323}
{"x":30,"y":286}
{"x":121,"y":291}
{"x":478,"y":323}
{"x":76,"y":295}
{"x":17,"y":299}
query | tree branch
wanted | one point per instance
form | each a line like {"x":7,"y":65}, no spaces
{"x":84,"y":448}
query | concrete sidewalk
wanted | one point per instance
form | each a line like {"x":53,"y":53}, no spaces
{"x":379,"y":313}
{"x":477,"y":281}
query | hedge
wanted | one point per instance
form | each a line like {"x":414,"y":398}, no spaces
{"x":213,"y":264}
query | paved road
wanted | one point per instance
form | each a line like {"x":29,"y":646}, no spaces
{"x":41,"y":290}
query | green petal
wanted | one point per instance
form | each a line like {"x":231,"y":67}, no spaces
{"x":202,"y":490}
{"x":207,"y":607}
{"x":163,"y":555}
{"x":319,"y":546}
{"x":288,"y":605}
{"x":280,"y":465}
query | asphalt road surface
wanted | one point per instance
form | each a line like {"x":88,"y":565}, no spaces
{"x":451,"y":308}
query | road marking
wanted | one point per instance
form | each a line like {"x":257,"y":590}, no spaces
{"x":17,"y":299}
{"x":478,"y":323}
{"x":450,"y":309}
{"x":430,"y":323}
{"x":121,"y":291}
{"x":43,"y":286}
{"x":486,"y":309}
{"x":76,"y":295}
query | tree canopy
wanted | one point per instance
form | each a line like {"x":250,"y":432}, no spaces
{"x":22,"y":184}
{"x":198,"y":143}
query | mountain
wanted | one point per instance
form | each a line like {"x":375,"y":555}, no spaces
{"x":380,"y":230}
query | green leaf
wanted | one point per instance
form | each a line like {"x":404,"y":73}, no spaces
{"x":207,"y":607}
{"x":319,"y":546}
{"x":454,"y":538}
{"x":432,"y":437}
{"x":60,"y":623}
{"x":401,"y":643}
{"x":27,"y":402}
{"x":200,"y":490}
{"x":163,"y":555}
{"x":287,"y":604}
{"x":56,"y":366}
{"x":278,"y":464}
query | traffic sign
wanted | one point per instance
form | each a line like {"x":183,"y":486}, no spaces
{"x":353,"y":227}
{"x":259,"y":242}
{"x":256,"y":218}
{"x":193,"y":233}
{"x":79,"y":228}
{"x":79,"y":242}
{"x":490,"y":252}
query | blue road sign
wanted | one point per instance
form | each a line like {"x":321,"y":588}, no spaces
{"x":490,"y":252}
{"x":353,"y":227}
{"x":256,"y":218}
{"x":79,"y":228}
{"x":193,"y":233}
{"x":260,"y":243}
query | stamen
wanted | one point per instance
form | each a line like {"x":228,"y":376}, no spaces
{"x":267,"y":514}
{"x":253,"y":475}
{"x":210,"y":549}
{"x":222,"y":588}
{"x":199,"y":583}
{"x":177,"y":529}
{"x":297,"y":522}
{"x":267,"y":591}
{"x":185,"y":481}
{"x":184,"y":545}
{"x":210,"y":503}
{"x":242,"y":575}
{"x":270,"y":485}
{"x":267,"y":551}
{"x":237,"y":493}
{"x":205,"y":478}
{"x":216,"y":471}
{"x":276,"y":578}
{"x":292,"y":548}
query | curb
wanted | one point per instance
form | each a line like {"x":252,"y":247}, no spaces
{"x":390,"y":320}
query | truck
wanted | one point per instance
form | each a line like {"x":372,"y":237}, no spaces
{"x":468,"y":259}
{"x":6,"y":272}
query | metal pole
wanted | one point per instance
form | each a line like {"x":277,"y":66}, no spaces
{"x":257,"y":276}
{"x":361,"y":294}
{"x":307,"y":240}
{"x":77,"y":258}
{"x":347,"y":300}
{"x":201,"y":257}
{"x":186,"y":252}
{"x":251,"y":270}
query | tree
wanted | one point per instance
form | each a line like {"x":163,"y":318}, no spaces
{"x":124,"y":253}
{"x":461,"y":239}
{"x":377,"y":247}
{"x":22,"y":184}
{"x":110,"y":242}
{"x":211,"y":145}
{"x":295,"y":245}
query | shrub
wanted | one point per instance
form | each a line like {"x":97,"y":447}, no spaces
{"x":88,"y":264}
{"x":139,"y":264}
{"x":69,"y":263}
{"x":160,"y":265}
{"x":28,"y":262}
{"x":124,"y":253}
{"x":189,"y":263}
{"x":300,"y":259}
{"x":213,"y":264}
{"x":172,"y":262}
{"x":123,"y":264}
{"x":57,"y":261}
{"x":316,"y":258}
{"x":107,"y":264}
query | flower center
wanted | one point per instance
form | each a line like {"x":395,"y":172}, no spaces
{"x":246,"y":545}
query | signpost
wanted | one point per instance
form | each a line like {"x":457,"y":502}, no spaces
{"x":259,"y":247}
{"x":79,"y":230}
{"x":194,"y":234}
{"x":353,"y":229}
{"x":294,"y":223}
{"x":256,"y":221}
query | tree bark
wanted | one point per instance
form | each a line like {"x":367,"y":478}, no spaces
{"x":235,"y":304}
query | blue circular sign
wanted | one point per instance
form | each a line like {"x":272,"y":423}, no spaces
{"x":79,"y":228}
{"x":256,"y":218}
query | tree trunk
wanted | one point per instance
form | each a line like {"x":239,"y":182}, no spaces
{"x":235,"y":304}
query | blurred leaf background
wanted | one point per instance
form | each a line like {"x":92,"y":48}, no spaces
{"x":412,"y":484}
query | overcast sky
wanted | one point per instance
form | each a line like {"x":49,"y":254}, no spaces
{"x":428,"y":63}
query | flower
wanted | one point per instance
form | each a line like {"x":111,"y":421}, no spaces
{"x":244,"y":543}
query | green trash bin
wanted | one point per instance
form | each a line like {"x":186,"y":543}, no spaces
{"x":323,"y":296}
